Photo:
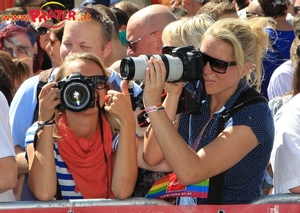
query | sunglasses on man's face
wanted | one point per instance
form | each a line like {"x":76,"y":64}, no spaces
{"x":132,"y":44}
{"x":217,"y":65}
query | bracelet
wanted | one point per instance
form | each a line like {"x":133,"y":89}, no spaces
{"x":154,"y":108}
{"x":42,"y":124}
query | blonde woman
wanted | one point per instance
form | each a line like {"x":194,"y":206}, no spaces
{"x":242,"y":149}
{"x":91,"y":152}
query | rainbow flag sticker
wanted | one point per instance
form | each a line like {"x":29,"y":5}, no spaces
{"x":169,"y":187}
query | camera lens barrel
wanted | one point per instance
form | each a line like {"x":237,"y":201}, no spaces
{"x":134,"y":68}
{"x":76,"y":96}
{"x":77,"y":93}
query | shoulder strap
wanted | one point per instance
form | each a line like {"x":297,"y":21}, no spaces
{"x":43,"y":79}
{"x":248,"y":97}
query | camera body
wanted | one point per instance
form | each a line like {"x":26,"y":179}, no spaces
{"x":77,"y":93}
{"x":184,"y":64}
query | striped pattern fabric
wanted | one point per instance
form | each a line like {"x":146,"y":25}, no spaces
{"x":65,"y":179}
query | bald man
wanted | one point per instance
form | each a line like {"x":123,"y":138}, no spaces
{"x":144,"y":30}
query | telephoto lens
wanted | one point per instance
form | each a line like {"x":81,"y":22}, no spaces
{"x":183,"y":64}
{"x":134,"y":68}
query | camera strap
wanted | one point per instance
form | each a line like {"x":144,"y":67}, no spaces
{"x":246,"y":98}
{"x":43,"y":79}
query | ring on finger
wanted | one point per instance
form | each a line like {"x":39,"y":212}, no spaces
{"x":108,"y":99}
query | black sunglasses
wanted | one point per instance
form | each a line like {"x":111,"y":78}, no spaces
{"x":132,"y":44}
{"x":100,"y":81}
{"x":168,"y":49}
{"x":43,"y":30}
{"x":217,"y":65}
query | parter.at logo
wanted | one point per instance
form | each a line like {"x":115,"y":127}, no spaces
{"x":59,"y":13}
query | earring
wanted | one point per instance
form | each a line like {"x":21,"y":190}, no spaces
{"x":34,"y":55}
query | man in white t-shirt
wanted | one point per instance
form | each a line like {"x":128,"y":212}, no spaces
{"x":8,"y":164}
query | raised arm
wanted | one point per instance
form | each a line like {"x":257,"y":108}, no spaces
{"x":189,"y":166}
{"x":125,"y":158}
{"x":152,"y":153}
{"x":42,"y":171}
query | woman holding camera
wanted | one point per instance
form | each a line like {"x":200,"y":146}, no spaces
{"x":240,"y":152}
{"x":86,"y":153}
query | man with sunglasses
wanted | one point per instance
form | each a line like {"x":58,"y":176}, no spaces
{"x":75,"y":39}
{"x":148,"y":40}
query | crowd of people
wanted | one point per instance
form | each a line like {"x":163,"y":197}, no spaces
{"x":216,"y":82}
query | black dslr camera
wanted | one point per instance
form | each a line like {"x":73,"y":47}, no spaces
{"x":77,"y":92}
{"x":184,"y":64}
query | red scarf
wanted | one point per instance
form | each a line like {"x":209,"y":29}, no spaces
{"x":85,"y":159}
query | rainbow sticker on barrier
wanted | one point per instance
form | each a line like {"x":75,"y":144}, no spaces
{"x":170,"y":187}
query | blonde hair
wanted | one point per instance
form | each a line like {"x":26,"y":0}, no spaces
{"x":217,"y":8}
{"x":249,"y":42}
{"x":114,"y":122}
{"x":187,"y":31}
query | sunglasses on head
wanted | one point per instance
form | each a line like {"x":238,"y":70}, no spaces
{"x":217,"y":65}
{"x":23,"y":24}
{"x":19,"y":23}
{"x":94,"y":15}
{"x":168,"y":49}
{"x":43,"y":30}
